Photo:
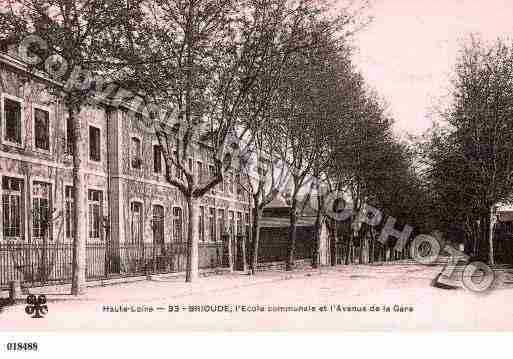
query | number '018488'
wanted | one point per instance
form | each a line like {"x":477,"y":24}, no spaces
{"x":22,"y":346}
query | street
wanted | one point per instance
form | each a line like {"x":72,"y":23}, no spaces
{"x":389,"y":297}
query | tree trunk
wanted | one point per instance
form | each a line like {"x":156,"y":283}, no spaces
{"x":230,"y":250}
{"x":360,"y":255}
{"x":317,"y":239}
{"x":78,"y":276}
{"x":371,"y":247}
{"x":257,"y":214}
{"x":333,"y":242}
{"x":292,"y":237}
{"x":191,"y":271}
{"x":348,"y":249}
{"x":490,"y":237}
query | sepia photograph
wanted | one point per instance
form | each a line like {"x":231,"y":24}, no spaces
{"x":255,"y":166}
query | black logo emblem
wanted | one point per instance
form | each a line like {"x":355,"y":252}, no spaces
{"x":36,"y":307}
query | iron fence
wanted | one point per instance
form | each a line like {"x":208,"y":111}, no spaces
{"x":37,"y":264}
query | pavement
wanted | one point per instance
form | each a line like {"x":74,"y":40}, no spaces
{"x":355,"y":298}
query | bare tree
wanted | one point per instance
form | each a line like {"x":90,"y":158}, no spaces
{"x":211,"y":55}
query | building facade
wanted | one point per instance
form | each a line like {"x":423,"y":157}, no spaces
{"x":128,"y":199}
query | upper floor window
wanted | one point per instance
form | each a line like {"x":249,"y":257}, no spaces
{"x":178,"y":172}
{"x":40,"y":209}
{"x":157,"y":159}
{"x":200,"y":171}
{"x":41,"y":129}
{"x":94,"y":144}
{"x":95,"y":214}
{"x":135,"y":149}
{"x":211,"y":174}
{"x":12,"y":120}
{"x":12,"y":207}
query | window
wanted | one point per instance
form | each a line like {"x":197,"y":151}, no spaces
{"x":69,"y":136}
{"x":158,"y":225}
{"x":40,"y":209}
{"x":246,"y":225}
{"x":178,"y":172}
{"x":157,"y":159}
{"x":211,"y":174}
{"x":136,"y":222}
{"x":135,"y":152}
{"x":221,"y":221}
{"x":42,"y":129}
{"x":12,"y":119}
{"x":202,"y":224}
{"x":239,"y":223}
{"x":12,"y":190}
{"x":69,"y":212}
{"x":95,"y":214}
{"x":229,"y":180}
{"x":212,"y":223}
{"x":231,"y":229}
{"x":94,"y":144}
{"x":238,"y":186}
{"x":200,"y":171}
{"x":177,"y":224}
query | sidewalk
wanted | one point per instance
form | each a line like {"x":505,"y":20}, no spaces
{"x":157,"y":287}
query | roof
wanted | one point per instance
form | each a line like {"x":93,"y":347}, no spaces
{"x":276,"y":222}
{"x":277,"y":202}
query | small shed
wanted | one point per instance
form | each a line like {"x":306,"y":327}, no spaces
{"x":274,"y":234}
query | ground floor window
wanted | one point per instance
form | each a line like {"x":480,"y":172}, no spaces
{"x":12,"y":206}
{"x":136,"y":222}
{"x":231,"y":228}
{"x":212,"y":224}
{"x":222,"y":222}
{"x":94,"y":214}
{"x":202,"y":224}
{"x":239,"y":223}
{"x":158,"y":224}
{"x":177,"y":224}
{"x":69,"y":212}
{"x":41,"y":194}
{"x":246,"y":224}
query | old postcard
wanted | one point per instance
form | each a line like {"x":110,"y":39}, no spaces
{"x":262,"y":165}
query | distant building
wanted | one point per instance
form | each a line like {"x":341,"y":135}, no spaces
{"x":274,"y":234}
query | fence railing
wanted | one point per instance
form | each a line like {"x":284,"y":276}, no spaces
{"x":38,"y":264}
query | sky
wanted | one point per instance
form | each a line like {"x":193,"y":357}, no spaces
{"x":408,"y":51}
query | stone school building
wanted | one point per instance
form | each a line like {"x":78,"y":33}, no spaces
{"x":136,"y":221}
